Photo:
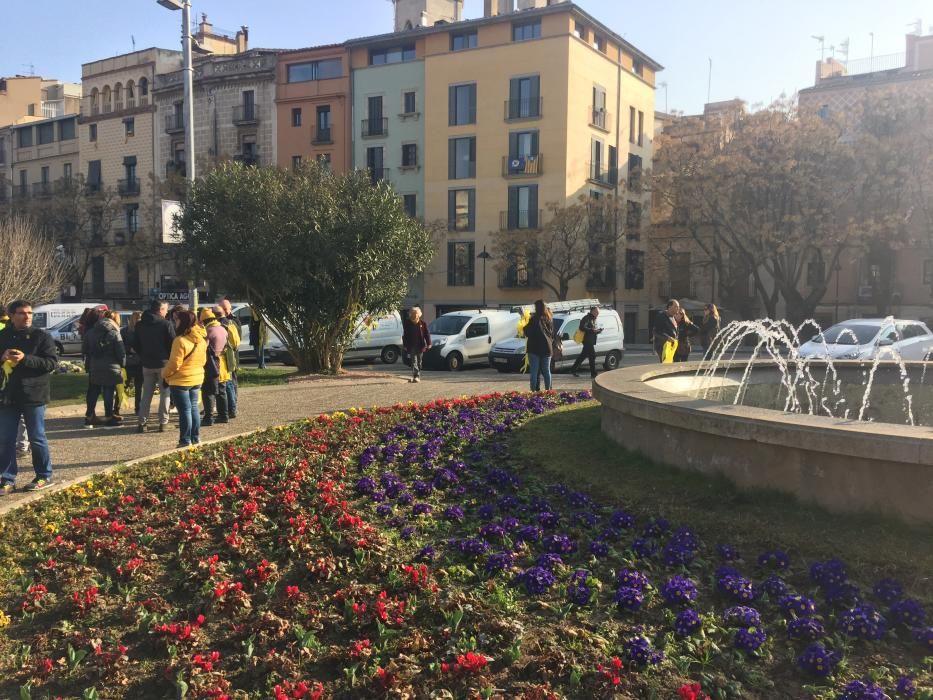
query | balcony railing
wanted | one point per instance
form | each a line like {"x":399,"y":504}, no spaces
{"x":517,"y":219}
{"x":600,"y":119}
{"x":107,"y":108}
{"x":378,"y":175}
{"x":94,"y":187}
{"x":522,"y":166}
{"x":174,"y":123}
{"x":130,"y":102}
{"x":528,"y":108}
{"x":681,"y":289}
{"x":128,"y":187}
{"x":20,"y":191}
{"x":118,"y":106}
{"x":42,"y":189}
{"x":122,"y":289}
{"x":245,"y":114}
{"x":322,"y":135}
{"x":598,"y":173}
{"x":601,"y":279}
{"x":375,"y":127}
{"x":520,"y":277}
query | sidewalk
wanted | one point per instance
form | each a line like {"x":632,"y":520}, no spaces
{"x":78,"y":452}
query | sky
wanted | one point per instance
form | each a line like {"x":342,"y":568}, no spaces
{"x":760,"y":49}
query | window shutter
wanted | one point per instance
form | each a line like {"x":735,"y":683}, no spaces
{"x":451,"y":209}
{"x":472,"y":167}
{"x":613,"y":165}
{"x":471,"y":203}
{"x":451,"y":159}
{"x":513,"y":207}
{"x":535,"y":96}
{"x":452,"y":105}
{"x":534,"y":143}
{"x":514,"y":98}
{"x":471,"y":265}
{"x":513,"y":146}
{"x":533,"y":206}
{"x":472,"y":92}
{"x":451,"y":264}
{"x":93,"y":172}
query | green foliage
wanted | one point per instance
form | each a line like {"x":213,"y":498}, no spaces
{"x":311,"y":250}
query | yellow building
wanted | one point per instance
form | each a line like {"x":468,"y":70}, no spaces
{"x":524,"y":109}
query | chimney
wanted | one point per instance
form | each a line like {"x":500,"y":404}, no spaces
{"x":493,"y":8}
{"x":242,"y":39}
{"x":919,"y":52}
{"x":205,"y":27}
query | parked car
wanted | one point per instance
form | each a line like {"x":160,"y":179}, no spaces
{"x":465,"y":337}
{"x":867,"y":338}
{"x":65,"y":336}
{"x":509,"y":355}
{"x":384,"y":340}
{"x":47,"y":316}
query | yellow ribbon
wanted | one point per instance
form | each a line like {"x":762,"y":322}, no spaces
{"x":121,"y":390}
{"x":522,"y":323}
{"x":7,"y":371}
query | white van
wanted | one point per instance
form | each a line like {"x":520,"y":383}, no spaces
{"x":49,"y":315}
{"x":509,"y":355}
{"x":465,"y":337}
{"x":384,"y":340}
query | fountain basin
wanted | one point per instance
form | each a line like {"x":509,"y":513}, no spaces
{"x":843,"y":465}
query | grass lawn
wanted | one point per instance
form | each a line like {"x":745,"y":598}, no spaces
{"x":568,"y":444}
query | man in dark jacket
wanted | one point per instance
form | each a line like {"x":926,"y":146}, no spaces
{"x":590,"y":331}
{"x":153,"y":343}
{"x":665,"y":327}
{"x":28,"y":357}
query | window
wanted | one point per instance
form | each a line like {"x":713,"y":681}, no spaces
{"x":66,"y":171}
{"x":523,"y":207}
{"x":44,"y":175}
{"x":143,"y":87}
{"x":631,"y":125}
{"x":394,"y":54}
{"x":409,"y":155}
{"x":324,"y":159}
{"x":596,"y":161}
{"x":461,"y":264}
{"x":633,"y":220}
{"x":409,"y":102}
{"x":824,"y":112}
{"x":599,"y":43}
{"x":641,"y":128}
{"x":579,"y":30}
{"x":462,"y":104}
{"x":296,"y":116}
{"x":523,"y":153}
{"x":374,"y":125}
{"x":634,"y":269}
{"x":526,"y":30}
{"x":524,"y":97}
{"x":478,"y":329}
{"x":463,"y":40}
{"x":638,"y":68}
{"x":461,"y":210}
{"x":93,"y":175}
{"x":2,"y":150}
{"x":67,"y":130}
{"x":461,"y":158}
{"x":599,"y":107}
{"x":928,"y":271}
{"x":132,"y":218}
{"x":129,"y":126}
{"x":315,"y":70}
{"x":410,"y":205}
{"x":323,"y":134}
{"x":634,"y":172}
{"x":24,"y":137}
{"x":46,"y":133}
{"x":375,"y":162}
{"x":23,"y":181}
{"x":816,"y":272}
{"x":296,"y":162}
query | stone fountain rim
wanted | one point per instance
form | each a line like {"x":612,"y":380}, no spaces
{"x":627,"y":389}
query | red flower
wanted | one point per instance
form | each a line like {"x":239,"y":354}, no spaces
{"x":692,"y":691}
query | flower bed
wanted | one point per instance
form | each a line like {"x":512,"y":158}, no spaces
{"x":406,"y":552}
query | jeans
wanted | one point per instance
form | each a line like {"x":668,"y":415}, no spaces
{"x":260,"y":356}
{"x":22,"y":439}
{"x":417,"y":362}
{"x":231,"y":396}
{"x":34,"y":416}
{"x":538,"y":365}
{"x":189,"y":417}
{"x":587,"y":353}
{"x":151,"y":379}
{"x":93,"y":392}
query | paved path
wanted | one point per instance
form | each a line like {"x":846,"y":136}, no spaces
{"x":78,"y":452}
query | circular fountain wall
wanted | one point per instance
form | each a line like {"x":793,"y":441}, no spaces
{"x":843,"y":464}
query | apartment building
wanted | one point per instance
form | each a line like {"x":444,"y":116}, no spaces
{"x":313,"y":107}
{"x":43,"y":152}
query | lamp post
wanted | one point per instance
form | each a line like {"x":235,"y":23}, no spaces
{"x":484,"y":256}
{"x":669,"y":255}
{"x":837,"y":268}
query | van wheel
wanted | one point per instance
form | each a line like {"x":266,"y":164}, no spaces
{"x":390,"y":355}
{"x":455,"y":362}
{"x":60,"y":349}
{"x":613,"y":360}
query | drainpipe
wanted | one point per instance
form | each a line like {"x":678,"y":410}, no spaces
{"x":615,"y":214}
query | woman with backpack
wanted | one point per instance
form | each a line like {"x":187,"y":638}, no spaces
{"x":216,"y":374}
{"x":540,"y":345}
{"x":184,"y":373}
{"x":104,"y":357}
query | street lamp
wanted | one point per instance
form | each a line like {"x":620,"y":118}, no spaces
{"x":185,"y":7}
{"x":484,"y":256}
{"x":669,"y":255}
{"x":837,"y":268}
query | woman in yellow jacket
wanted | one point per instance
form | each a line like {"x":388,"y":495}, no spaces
{"x":184,"y":373}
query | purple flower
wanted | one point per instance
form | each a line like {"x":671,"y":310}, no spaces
{"x":679,"y":589}
{"x":407,"y":533}
{"x":548,"y":520}
{"x":818,"y":660}
{"x":510,"y":523}
{"x":486,"y":512}
{"x":559,"y":544}
{"x":599,"y":549}
{"x":639,"y":651}
{"x":422,"y":488}
{"x":924,"y":635}
{"x":578,"y":592}
{"x":528,"y":533}
{"x":384,"y":510}
{"x":405,"y":498}
{"x":862,"y":690}
{"x":508,"y":503}
{"x":427,"y":554}
{"x":628,"y":598}
{"x":687,"y":622}
{"x":727,"y":552}
{"x":644,"y":548}
{"x":797,"y":606}
{"x":749,"y":638}
{"x":908,"y":612}
{"x":500,"y":561}
{"x":549,"y":560}
{"x":775,"y":586}
{"x":365,"y":485}
{"x":655,"y":527}
{"x":536,"y":580}
{"x":805,"y":628}
{"x":421,"y":509}
{"x":738,"y":588}
{"x":611,"y":534}
{"x":905,"y":687}
{"x":741,"y":616}
{"x":887,"y":590}
{"x":454,"y":512}
{"x":585,"y":519}
{"x":632,"y":578}
{"x":444,"y":477}
{"x":492,"y":531}
{"x":622,"y":520}
{"x":377,"y":496}
{"x":774,"y":559}
{"x":470,"y":546}
{"x":828,"y":573}
{"x":842,"y":595}
{"x":863,"y":622}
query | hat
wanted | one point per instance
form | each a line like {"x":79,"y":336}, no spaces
{"x":102,"y":307}
{"x":205,"y":315}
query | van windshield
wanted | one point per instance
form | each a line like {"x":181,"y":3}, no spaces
{"x":62,"y":324}
{"x":448,"y":325}
{"x":40,"y":319}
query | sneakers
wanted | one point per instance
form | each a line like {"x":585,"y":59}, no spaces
{"x":207,"y":421}
{"x":182,"y":445}
{"x":7,"y":489}
{"x":162,"y":427}
{"x":37,"y":484}
{"x":221,"y":420}
{"x":90,"y":421}
{"x":417,"y":380}
{"x":113,"y":421}
{"x":141,"y":428}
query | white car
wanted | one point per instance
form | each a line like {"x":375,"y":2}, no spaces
{"x":867,"y":338}
{"x":65,"y":336}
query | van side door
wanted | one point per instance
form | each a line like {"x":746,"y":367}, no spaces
{"x":477,"y":341}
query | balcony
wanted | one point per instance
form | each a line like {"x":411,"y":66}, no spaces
{"x":375,"y":127}
{"x":321,"y":136}
{"x":245,"y":115}
{"x":93,"y":187}
{"x":601,"y":279}
{"x":20,"y":191}
{"x":528,"y":108}
{"x":130,"y":103}
{"x":520,"y":276}
{"x":42,"y":189}
{"x":128,"y":187}
{"x":519,"y":219}
{"x":378,"y":175}
{"x":596,"y":172}
{"x":681,"y":289}
{"x":118,"y":106}
{"x":107,"y":108}
{"x":599,"y":118}
{"x":522,"y":166}
{"x":174,"y":123}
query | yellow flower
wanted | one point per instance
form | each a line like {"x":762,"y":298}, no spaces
{"x":4,"y":619}
{"x":51,"y":528}
{"x":80,"y":492}
{"x":89,"y":484}
{"x":99,"y":493}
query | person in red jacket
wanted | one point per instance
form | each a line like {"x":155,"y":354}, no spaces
{"x":417,"y":340}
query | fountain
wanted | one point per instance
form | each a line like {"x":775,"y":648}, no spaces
{"x":846,"y":434}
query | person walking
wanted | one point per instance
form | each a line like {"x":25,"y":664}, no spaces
{"x":105,"y":357}
{"x":539,"y":333}
{"x":152,"y":341}
{"x":216,"y":374}
{"x":590,"y":333}
{"x":258,"y":336}
{"x":28,"y":357}
{"x":685,"y":330}
{"x":416,"y":340}
{"x":665,"y":328}
{"x":709,"y":327}
{"x":224,"y":312}
{"x":184,"y":373}
{"x":134,"y":369}
{"x":22,"y":439}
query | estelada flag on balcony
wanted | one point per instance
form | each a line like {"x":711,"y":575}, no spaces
{"x":527,"y":165}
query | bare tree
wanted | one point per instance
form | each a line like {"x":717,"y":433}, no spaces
{"x":30,"y":267}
